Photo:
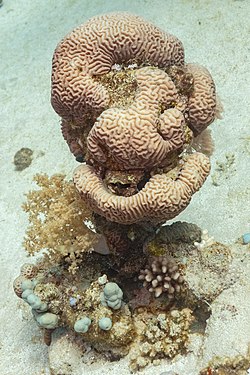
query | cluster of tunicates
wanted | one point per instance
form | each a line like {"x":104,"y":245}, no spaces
{"x":110,"y":297}
{"x":40,"y":312}
{"x":24,"y":286}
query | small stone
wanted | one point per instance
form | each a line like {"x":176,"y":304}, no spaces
{"x":23,"y":158}
{"x":246,"y":238}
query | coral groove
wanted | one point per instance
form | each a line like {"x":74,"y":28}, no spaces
{"x":162,"y":198}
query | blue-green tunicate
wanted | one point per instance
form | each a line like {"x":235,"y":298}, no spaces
{"x":246,"y":238}
{"x":111,"y":296}
{"x":47,"y":320}
{"x":26,"y":293}
{"x":105,"y":323}
{"x":27,"y":284}
{"x":82,"y":325}
{"x":35,"y":302}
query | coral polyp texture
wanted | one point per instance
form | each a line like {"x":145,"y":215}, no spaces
{"x":56,"y":217}
{"x":162,"y":275}
{"x":131,"y":108}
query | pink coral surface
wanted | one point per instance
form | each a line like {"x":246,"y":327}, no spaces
{"x":145,"y":138}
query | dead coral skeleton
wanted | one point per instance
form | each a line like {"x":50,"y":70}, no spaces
{"x":160,"y":336}
{"x":162,"y":275}
{"x":206,"y":240}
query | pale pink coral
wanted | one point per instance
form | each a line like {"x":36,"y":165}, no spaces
{"x":139,"y":136}
{"x":202,"y":104}
{"x":136,"y":147}
{"x":162,"y":198}
{"x":91,"y":49}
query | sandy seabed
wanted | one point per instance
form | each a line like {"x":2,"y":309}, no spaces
{"x":214,"y":34}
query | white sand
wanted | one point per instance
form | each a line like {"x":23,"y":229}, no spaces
{"x":214,"y":33}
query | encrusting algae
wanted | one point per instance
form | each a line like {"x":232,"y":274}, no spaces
{"x":110,"y":272}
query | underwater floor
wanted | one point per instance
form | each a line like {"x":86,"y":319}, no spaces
{"x":214,"y":34}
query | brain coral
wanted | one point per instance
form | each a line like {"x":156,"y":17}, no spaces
{"x":91,"y":49}
{"x":162,"y":198}
{"x":138,"y":137}
{"x":131,"y":108}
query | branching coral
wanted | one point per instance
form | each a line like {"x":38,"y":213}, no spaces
{"x":162,"y":275}
{"x":57,"y":218}
{"x":238,"y":365}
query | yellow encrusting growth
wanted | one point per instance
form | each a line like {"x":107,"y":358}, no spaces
{"x":57,"y":219}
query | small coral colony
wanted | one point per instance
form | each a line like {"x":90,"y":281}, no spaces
{"x":134,"y":115}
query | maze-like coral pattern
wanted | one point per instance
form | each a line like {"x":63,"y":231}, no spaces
{"x":169,"y":103}
{"x":202,"y":102}
{"x":162,"y":198}
{"x":91,"y":49}
{"x":139,"y":136}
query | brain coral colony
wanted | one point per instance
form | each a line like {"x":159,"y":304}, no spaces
{"x":134,"y":114}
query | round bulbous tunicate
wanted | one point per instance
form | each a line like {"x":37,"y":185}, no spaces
{"x":34,"y":301}
{"x":43,"y":307}
{"x":47,"y":320}
{"x":112,"y":296}
{"x":105,"y":323}
{"x":26,"y":293}
{"x":82,"y":325}
{"x":27,"y":284}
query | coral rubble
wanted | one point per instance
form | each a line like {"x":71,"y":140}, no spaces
{"x":135,"y":115}
{"x":23,"y":158}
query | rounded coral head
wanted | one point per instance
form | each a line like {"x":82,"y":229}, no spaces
{"x":92,"y":49}
{"x":130,"y":109}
